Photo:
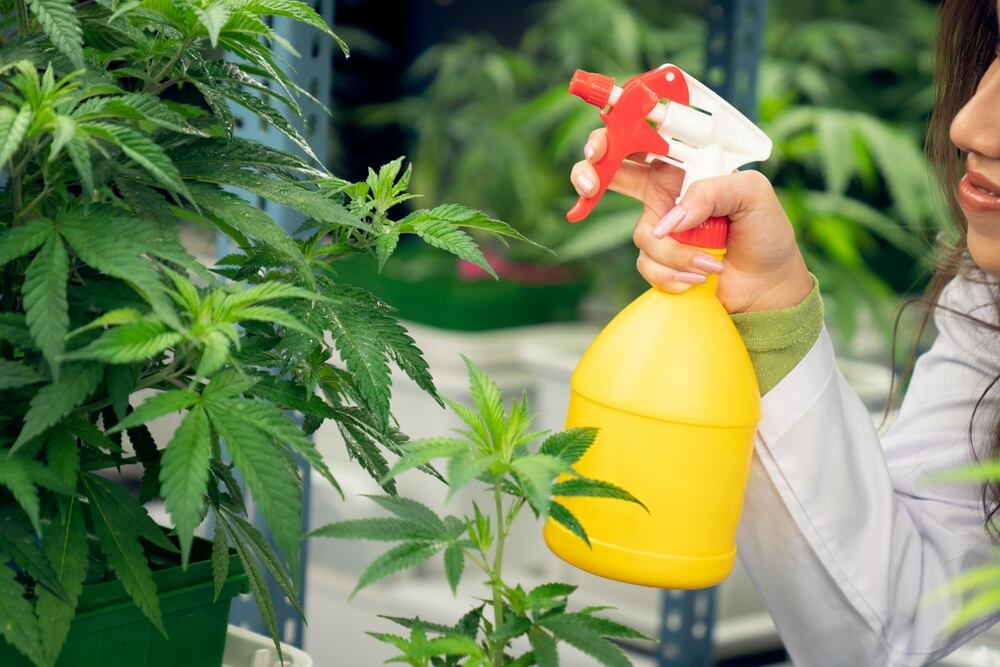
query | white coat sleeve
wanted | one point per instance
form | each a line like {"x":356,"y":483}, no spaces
{"x":843,"y":533}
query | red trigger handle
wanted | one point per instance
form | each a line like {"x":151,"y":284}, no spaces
{"x":628,"y":132}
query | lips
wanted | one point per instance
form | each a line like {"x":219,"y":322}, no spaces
{"x":976,"y":194}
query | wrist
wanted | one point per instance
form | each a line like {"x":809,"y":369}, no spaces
{"x":788,"y":288}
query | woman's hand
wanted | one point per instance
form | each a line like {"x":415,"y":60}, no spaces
{"x":763,"y":268}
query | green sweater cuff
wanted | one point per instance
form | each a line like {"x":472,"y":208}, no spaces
{"x":777,"y":340}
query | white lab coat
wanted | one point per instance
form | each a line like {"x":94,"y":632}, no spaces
{"x":842,"y":532}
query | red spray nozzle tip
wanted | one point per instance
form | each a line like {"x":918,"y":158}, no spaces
{"x":592,"y":88}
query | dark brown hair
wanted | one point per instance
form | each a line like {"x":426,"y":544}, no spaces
{"x":967,"y":43}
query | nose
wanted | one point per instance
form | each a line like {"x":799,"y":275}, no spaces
{"x":976,"y":127}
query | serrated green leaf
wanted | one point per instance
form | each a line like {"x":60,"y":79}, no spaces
{"x":258,"y":585}
{"x":489,"y":401}
{"x":364,"y":354}
{"x":411,"y":510}
{"x":220,"y":558}
{"x":299,"y":11}
{"x":44,"y":293}
{"x":544,"y":647}
{"x":545,"y":595}
{"x":90,"y":434}
{"x":394,"y":560}
{"x":454,"y":563}
{"x":214,"y":351}
{"x":386,"y":529}
{"x":230,"y":383}
{"x":66,"y":548}
{"x":111,"y":318}
{"x":272,"y":315}
{"x":569,"y":445}
{"x":14,"y":330}
{"x":606,"y":627}
{"x":56,"y":400}
{"x":593,"y":488}
{"x":63,"y":455}
{"x":142,"y":150}
{"x":445,"y":235}
{"x":561,"y":515}
{"x":157,"y":405}
{"x":13,"y":128}
{"x":64,"y":132}
{"x":19,"y":542}
{"x":119,"y":540}
{"x":465,"y":467}
{"x":17,"y":618}
{"x":118,"y":251}
{"x":275,"y":488}
{"x":128,"y":343}
{"x":575,"y":633}
{"x":537,"y":472}
{"x":421,"y":452}
{"x":14,"y":374}
{"x":58,"y":20}
{"x":126,"y":506}
{"x":385,"y":245}
{"x":120,"y":383}
{"x":213,"y":17}
{"x":248,"y":220}
{"x":19,"y":241}
{"x":79,"y":155}
{"x":184,"y":476}
{"x":271,"y":421}
{"x":263,"y":109}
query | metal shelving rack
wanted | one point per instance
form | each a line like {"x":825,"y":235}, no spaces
{"x":732,"y":56}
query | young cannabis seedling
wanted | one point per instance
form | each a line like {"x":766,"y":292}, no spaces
{"x":494,"y":450}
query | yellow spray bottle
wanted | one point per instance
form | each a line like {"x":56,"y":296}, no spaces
{"x":668,"y":382}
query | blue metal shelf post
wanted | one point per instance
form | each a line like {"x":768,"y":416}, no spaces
{"x":732,"y":56}
{"x":313,"y":72}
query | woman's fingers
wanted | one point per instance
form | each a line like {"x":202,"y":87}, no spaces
{"x":666,"y":278}
{"x":732,"y":195}
{"x":597,"y":144}
{"x":669,"y":253}
{"x":631,"y":180}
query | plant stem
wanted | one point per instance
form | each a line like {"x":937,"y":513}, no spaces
{"x":496,"y":579}
{"x":181,"y":50}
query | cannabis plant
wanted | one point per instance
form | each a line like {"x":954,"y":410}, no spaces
{"x":116,"y":127}
{"x":495,"y":449}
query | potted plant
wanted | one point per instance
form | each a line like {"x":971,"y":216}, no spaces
{"x":116,"y":129}
{"x":511,"y":626}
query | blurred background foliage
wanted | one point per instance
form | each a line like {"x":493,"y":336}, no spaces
{"x":844,"y":92}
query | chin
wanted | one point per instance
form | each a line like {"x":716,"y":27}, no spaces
{"x":984,"y":242}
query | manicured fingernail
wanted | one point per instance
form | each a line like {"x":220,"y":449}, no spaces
{"x":588,"y":150}
{"x":707,"y":263}
{"x":669,"y":221}
{"x":585,"y":183}
{"x":690,"y":278}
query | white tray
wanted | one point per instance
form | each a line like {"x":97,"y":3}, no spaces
{"x":248,"y":649}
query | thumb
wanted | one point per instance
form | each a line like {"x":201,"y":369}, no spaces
{"x":733,"y":195}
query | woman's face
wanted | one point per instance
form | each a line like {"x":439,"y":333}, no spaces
{"x":976,"y":131}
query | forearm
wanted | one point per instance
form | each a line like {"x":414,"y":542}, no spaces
{"x":778,"y":339}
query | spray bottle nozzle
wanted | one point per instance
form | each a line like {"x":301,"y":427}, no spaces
{"x":592,"y":88}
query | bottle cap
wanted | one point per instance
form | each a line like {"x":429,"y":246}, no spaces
{"x":593,"y":89}
{"x":710,"y":234}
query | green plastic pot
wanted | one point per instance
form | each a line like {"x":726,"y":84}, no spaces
{"x":110,"y":631}
{"x":424,"y":288}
